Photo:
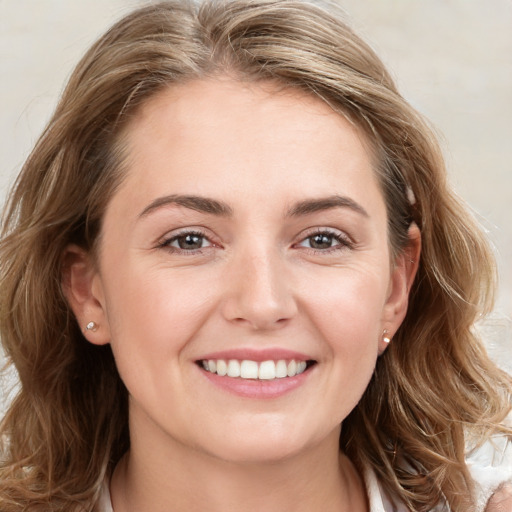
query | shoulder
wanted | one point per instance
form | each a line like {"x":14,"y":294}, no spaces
{"x":491,"y":469}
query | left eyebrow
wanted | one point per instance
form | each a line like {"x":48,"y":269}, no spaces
{"x":198,"y":203}
{"x":325,"y":203}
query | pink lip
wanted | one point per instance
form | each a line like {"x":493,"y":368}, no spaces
{"x":257,"y":389}
{"x":258,"y":355}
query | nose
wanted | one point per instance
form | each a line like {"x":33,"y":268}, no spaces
{"x":259,"y":293}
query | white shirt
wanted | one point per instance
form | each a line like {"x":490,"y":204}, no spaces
{"x":376,"y":496}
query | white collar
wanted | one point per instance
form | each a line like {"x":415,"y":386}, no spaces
{"x":378,"y":499}
{"x":104,"y":503}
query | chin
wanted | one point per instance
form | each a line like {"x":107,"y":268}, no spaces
{"x":265,"y":445}
{"x":260,"y":453}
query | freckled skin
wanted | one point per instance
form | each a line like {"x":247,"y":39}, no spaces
{"x":253,"y":278}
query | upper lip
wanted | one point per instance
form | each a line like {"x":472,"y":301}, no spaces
{"x":264,"y":354}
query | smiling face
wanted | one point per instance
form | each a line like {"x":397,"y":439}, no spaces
{"x":248,"y":237}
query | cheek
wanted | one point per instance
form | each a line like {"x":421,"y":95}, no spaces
{"x":347,"y":316}
{"x":153,"y":316}
{"x":348,"y":309}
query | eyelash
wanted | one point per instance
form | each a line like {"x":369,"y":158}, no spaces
{"x":166,"y":244}
{"x":343,"y":242}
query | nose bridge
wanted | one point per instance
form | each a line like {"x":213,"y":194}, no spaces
{"x":259,"y":293}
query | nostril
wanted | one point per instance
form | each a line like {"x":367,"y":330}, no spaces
{"x":261,"y":298}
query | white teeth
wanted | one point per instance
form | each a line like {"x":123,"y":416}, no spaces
{"x":267,"y":370}
{"x":247,"y":369}
{"x":222,"y":367}
{"x":233,"y":368}
{"x":292,"y":368}
{"x":301,"y":367}
{"x":281,"y":369}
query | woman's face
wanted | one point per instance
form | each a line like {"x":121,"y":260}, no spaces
{"x":249,"y":235}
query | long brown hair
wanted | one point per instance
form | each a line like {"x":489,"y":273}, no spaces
{"x":433,"y":390}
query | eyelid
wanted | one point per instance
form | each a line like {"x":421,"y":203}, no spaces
{"x":204,"y":240}
{"x":345,"y":241}
{"x":165,"y":241}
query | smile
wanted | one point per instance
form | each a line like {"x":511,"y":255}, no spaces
{"x":255,"y":370}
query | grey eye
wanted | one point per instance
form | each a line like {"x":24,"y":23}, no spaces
{"x":320,"y":241}
{"x":189,"y":242}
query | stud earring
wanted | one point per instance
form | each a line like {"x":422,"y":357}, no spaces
{"x":385,"y":337}
{"x":91,"y":326}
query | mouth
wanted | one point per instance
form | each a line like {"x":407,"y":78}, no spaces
{"x":251,"y":370}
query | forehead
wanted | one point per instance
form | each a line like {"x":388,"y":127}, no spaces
{"x":216,"y":102}
{"x":235,"y":136}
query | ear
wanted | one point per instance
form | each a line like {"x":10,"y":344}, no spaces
{"x":83,"y":289}
{"x":402,"y":277}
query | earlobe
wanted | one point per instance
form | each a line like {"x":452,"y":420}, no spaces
{"x":402,"y":278}
{"x":81,"y":285}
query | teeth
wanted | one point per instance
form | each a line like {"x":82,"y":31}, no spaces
{"x":246,"y":369}
{"x":281,"y":369}
{"x":249,"y":370}
{"x":222,"y":367}
{"x":267,"y":370}
{"x":233,"y":368}
{"x":292,"y":368}
{"x":301,"y":367}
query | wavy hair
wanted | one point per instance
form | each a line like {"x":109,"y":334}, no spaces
{"x":433,"y":390}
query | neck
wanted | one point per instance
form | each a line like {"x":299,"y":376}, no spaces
{"x":152,"y":478}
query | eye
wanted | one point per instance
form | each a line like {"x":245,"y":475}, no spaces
{"x":325,"y":240}
{"x":187,"y":241}
{"x":321,"y":241}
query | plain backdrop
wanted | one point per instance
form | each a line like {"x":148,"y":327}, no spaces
{"x":452,"y":59}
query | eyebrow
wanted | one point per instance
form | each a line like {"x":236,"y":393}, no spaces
{"x":200,"y":204}
{"x":325,"y":203}
{"x":214,"y":207}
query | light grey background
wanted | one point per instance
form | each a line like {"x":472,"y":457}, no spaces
{"x":451,"y":59}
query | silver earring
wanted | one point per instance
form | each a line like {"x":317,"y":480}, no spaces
{"x":385,"y":337}
{"x":91,"y":326}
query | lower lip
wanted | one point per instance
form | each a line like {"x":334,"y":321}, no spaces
{"x":257,"y":389}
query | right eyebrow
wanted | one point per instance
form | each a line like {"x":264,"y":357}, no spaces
{"x":310,"y":206}
{"x":198,"y":203}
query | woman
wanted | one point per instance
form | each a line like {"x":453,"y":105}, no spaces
{"x":212,"y":287}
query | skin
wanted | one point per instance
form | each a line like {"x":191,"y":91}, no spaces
{"x":501,"y":500}
{"x":255,"y":282}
